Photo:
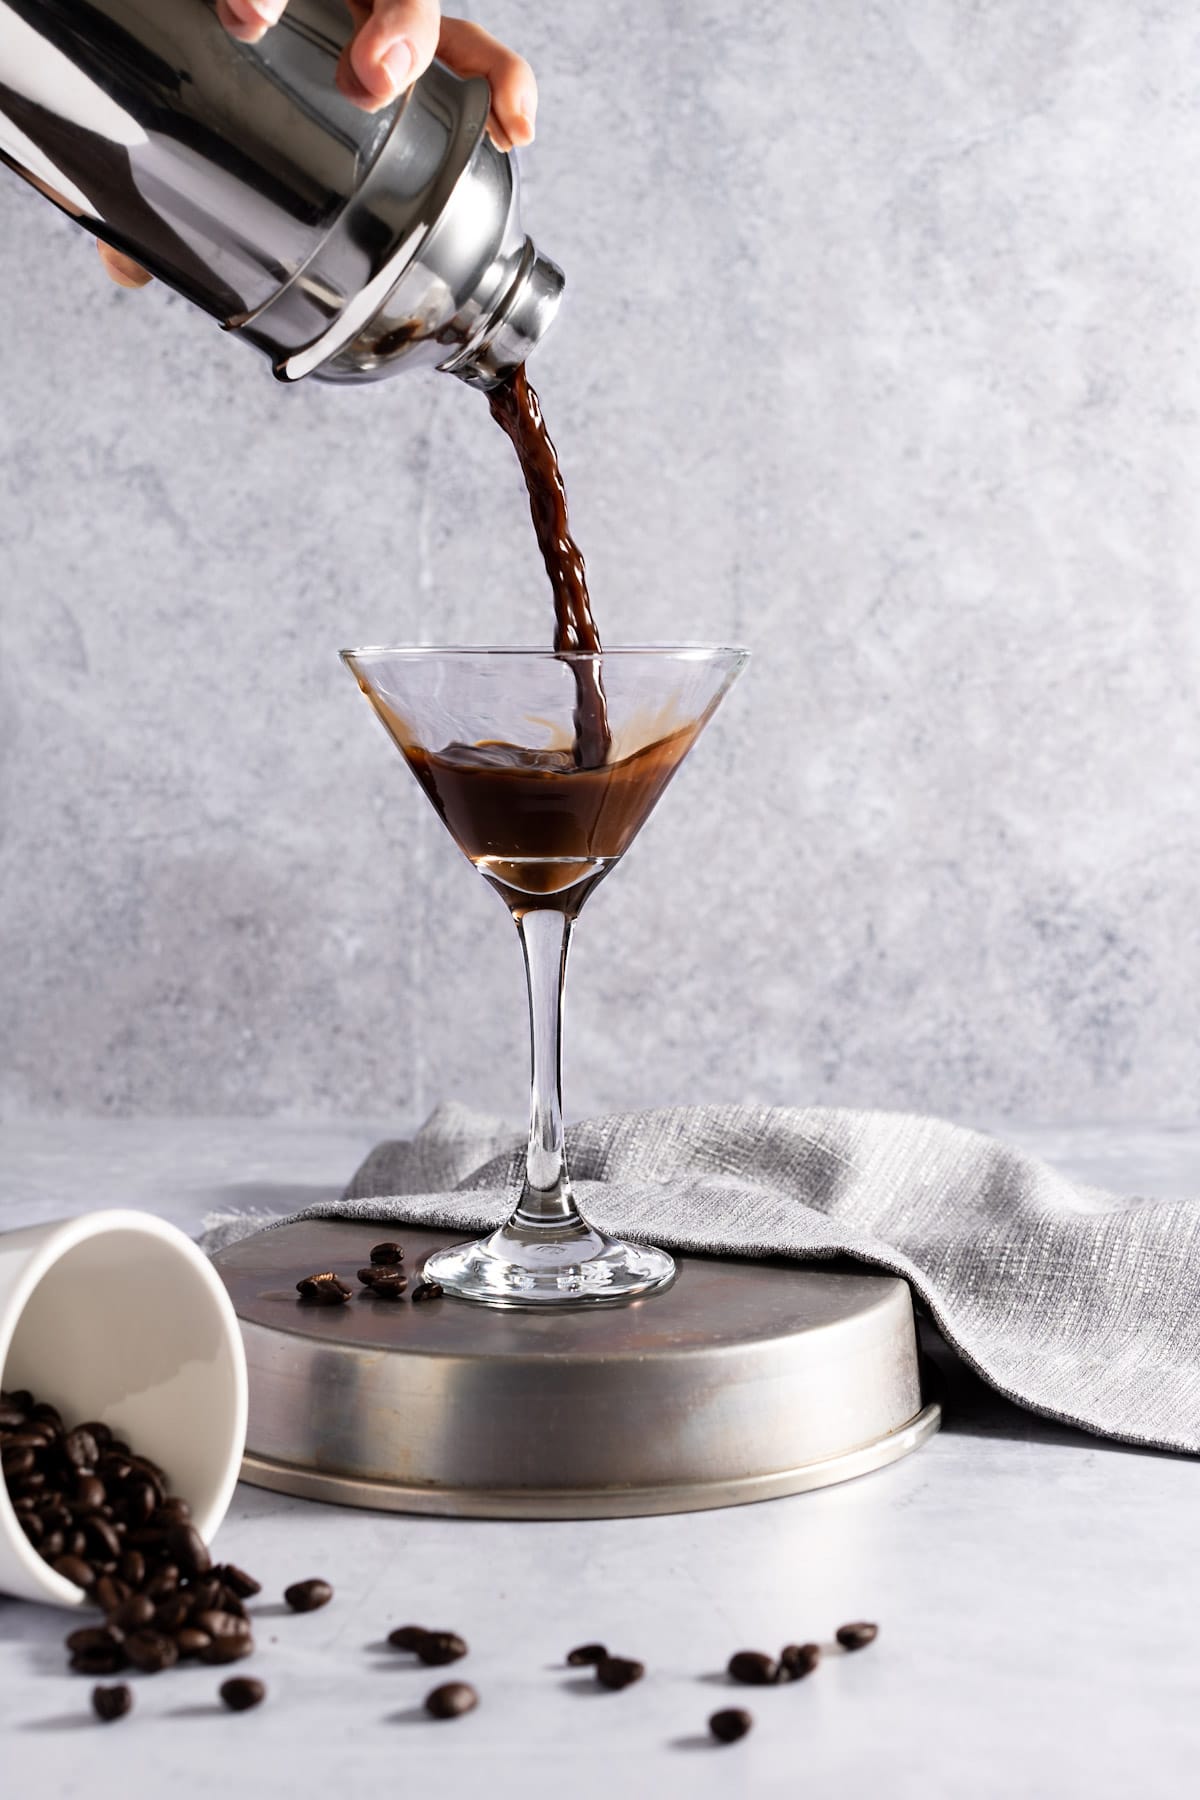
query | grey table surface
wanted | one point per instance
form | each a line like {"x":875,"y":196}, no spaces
{"x":1036,"y":1589}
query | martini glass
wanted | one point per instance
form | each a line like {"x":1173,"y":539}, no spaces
{"x":491,"y":737}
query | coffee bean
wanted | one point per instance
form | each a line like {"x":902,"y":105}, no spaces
{"x":428,"y":1290}
{"x":323,"y":1290}
{"x":99,"y":1661}
{"x":451,"y":1700}
{"x":151,"y":1651}
{"x":48,"y":1414}
{"x":172,"y":1613}
{"x":103,"y":1540}
{"x":857,"y":1636}
{"x":231,"y":1604}
{"x":94,"y":1637}
{"x":133,"y":1613}
{"x":34,"y":1530}
{"x":586,"y":1655}
{"x":307,"y":1596}
{"x":220,"y":1624}
{"x":385,"y":1285}
{"x":227,"y":1649}
{"x":16,"y":1462}
{"x":173,"y":1511}
{"x":237,"y":1581}
{"x":752,"y":1667}
{"x":73,"y":1568}
{"x":190,"y":1640}
{"x":387,"y":1253}
{"x":109,"y":1594}
{"x":162,"y":1582}
{"x":81,"y":1450}
{"x":242,"y":1692}
{"x":730,"y":1725}
{"x":109,"y":1703}
{"x":437,"y":1647}
{"x":188,"y":1549}
{"x":77,"y":1545}
{"x":407,"y":1637}
{"x":88,"y":1496}
{"x":52,"y":1546}
{"x":797,"y":1660}
{"x":132,"y":1567}
{"x":618,"y":1671}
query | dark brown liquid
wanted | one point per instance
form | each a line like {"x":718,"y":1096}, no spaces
{"x":544,"y":831}
{"x":517,"y":411}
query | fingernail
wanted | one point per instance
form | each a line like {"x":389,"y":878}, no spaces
{"x":527,"y":108}
{"x":398,"y":61}
{"x":269,"y":11}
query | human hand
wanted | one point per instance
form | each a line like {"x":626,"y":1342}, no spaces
{"x":393,"y":44}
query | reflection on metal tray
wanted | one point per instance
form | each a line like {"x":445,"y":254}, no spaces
{"x":744,"y":1381}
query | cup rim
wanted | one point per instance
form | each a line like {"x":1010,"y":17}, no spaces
{"x":682,"y":652}
{"x":64,"y":1235}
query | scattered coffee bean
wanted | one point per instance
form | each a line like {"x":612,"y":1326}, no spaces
{"x":586,"y":1655}
{"x":384,"y":1284}
{"x":798,"y":1660}
{"x":190,"y":1640}
{"x":99,"y":1661}
{"x":242,"y":1692}
{"x":857,"y":1636}
{"x":307,"y":1596}
{"x":407,"y":1637}
{"x":753,"y":1668}
{"x":387,"y":1253}
{"x":94,"y":1637}
{"x":323,"y":1290}
{"x":618,"y":1671}
{"x":730,"y":1725}
{"x":110,"y":1703}
{"x":237,"y":1581}
{"x":428,"y":1290}
{"x":437,"y":1647}
{"x":451,"y":1700}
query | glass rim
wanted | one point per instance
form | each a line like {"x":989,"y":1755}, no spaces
{"x":696,"y":652}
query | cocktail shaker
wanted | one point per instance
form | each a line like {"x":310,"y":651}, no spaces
{"x":343,"y":244}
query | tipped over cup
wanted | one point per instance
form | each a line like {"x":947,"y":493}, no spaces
{"x":118,"y":1317}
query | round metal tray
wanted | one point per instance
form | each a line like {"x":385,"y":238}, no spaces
{"x":744,"y":1381}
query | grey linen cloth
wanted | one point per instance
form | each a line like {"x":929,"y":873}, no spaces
{"x":1078,"y":1304}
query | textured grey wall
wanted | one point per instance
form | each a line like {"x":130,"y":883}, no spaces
{"x":882,"y":354}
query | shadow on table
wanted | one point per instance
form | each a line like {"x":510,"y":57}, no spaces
{"x":970,"y":1408}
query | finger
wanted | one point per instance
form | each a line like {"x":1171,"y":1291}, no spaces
{"x":394,"y":44}
{"x":122,"y":269}
{"x":469,"y":50}
{"x":247,"y":20}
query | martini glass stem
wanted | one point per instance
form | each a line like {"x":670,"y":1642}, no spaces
{"x":546,"y":1198}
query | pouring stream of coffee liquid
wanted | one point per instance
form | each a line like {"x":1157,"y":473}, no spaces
{"x":517,"y":411}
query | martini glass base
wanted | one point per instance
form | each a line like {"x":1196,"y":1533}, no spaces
{"x":517,"y":1271}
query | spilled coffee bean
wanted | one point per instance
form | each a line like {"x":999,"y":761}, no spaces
{"x":428,"y":1290}
{"x":797,"y":1660}
{"x":323,"y":1290}
{"x":387,"y":1253}
{"x":382,"y":1284}
{"x":730,"y":1725}
{"x":110,"y":1703}
{"x":102,"y":1515}
{"x":451,"y":1700}
{"x":407,"y":1637}
{"x":753,"y":1668}
{"x":242,"y":1692}
{"x":307,"y":1596}
{"x":618,"y":1671}
{"x":586,"y":1656}
{"x":857,"y":1636}
{"x":437,"y":1647}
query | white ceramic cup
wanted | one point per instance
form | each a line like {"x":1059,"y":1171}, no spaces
{"x":119,"y":1317}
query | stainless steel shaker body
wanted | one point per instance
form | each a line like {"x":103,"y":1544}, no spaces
{"x":343,"y":244}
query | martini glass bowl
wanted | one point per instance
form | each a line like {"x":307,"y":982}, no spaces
{"x":493,"y":736}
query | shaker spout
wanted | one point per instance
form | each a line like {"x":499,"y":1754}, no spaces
{"x":516,"y":327}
